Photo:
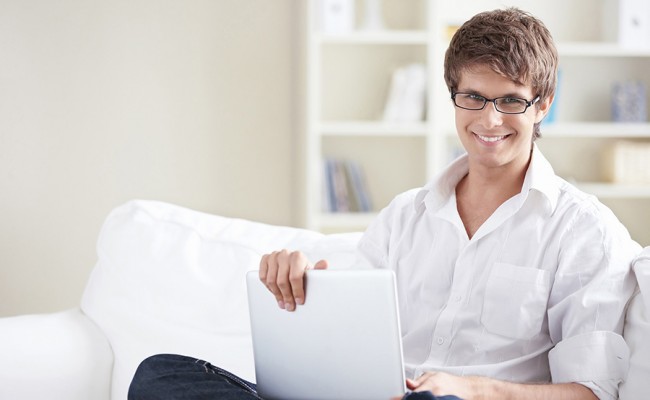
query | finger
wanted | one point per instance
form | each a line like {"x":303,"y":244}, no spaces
{"x":298,"y":265}
{"x":270,"y":278}
{"x":322,"y":264}
{"x":411,"y":384}
{"x":283,"y":282}
{"x":263,"y":268}
{"x":423,"y":378}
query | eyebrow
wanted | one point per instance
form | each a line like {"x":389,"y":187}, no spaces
{"x":509,"y":94}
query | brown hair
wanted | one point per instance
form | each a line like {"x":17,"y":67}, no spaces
{"x":512,"y":43}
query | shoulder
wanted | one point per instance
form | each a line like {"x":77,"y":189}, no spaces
{"x":376,"y":240}
{"x":585,"y":219}
{"x":575,"y":204}
{"x":402,"y":207}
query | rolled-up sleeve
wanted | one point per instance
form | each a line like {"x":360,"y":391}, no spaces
{"x":593,"y":285}
{"x":598,"y":360}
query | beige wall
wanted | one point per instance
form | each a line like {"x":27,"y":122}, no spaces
{"x":104,"y":101}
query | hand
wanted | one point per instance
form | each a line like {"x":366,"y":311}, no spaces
{"x":441,"y":384}
{"x":283,"y":274}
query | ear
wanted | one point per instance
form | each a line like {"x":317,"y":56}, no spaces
{"x":543,"y":109}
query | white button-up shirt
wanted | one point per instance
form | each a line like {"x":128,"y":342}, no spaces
{"x":538,"y":294}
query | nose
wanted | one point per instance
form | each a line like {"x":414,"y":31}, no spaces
{"x":490,"y":117}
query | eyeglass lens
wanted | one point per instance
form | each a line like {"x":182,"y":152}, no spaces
{"x":511,"y":105}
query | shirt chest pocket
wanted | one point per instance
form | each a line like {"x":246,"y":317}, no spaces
{"x":515,"y":300}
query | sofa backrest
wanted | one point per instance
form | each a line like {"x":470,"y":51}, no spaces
{"x":171,"y":280}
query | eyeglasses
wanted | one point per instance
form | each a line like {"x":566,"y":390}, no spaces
{"x":505,"y":105}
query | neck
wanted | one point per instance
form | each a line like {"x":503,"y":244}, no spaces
{"x":485,"y":188}
{"x":495,"y":182}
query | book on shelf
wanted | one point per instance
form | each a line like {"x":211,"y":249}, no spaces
{"x":406,"y":100}
{"x":551,"y":116}
{"x":344,"y":187}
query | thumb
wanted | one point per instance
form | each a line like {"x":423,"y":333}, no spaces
{"x":322,"y":264}
{"x":411,"y":384}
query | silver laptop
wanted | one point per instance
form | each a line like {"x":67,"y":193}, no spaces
{"x":344,"y":343}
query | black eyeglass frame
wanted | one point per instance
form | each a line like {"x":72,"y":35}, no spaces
{"x":494,"y":101}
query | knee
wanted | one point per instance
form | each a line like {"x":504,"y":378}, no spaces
{"x":146,"y":382}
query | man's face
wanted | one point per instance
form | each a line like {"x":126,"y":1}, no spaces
{"x":493,"y":139}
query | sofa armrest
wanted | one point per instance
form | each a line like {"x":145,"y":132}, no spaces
{"x":54,"y":356}
{"x":637,"y":332}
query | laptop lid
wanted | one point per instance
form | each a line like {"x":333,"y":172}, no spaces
{"x":344,"y":343}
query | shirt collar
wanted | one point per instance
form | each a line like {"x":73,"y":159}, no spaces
{"x":437,"y":192}
{"x":540,"y":177}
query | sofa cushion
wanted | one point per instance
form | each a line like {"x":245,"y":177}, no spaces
{"x":637,"y":334}
{"x":171,"y":280}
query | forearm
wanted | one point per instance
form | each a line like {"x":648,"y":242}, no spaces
{"x":494,"y":389}
{"x":483,"y":388}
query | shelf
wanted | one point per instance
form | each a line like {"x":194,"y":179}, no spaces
{"x":615,"y":190}
{"x":596,"y":129}
{"x":612,"y":130}
{"x":599,"y":49}
{"x":373,"y":128}
{"x":376,"y":37}
{"x":345,"y":221}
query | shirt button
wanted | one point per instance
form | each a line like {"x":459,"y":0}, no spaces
{"x":458,"y":298}
{"x":440,"y":340}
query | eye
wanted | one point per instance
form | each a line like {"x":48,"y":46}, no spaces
{"x":470,"y":98}
{"x":512,"y":100}
{"x":475,"y":97}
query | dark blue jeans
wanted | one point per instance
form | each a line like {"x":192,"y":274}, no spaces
{"x":168,"y":376}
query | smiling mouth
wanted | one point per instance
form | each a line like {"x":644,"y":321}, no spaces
{"x":491,"y":139}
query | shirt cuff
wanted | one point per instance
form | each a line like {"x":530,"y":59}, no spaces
{"x":602,"y":393}
{"x":598,"y":360}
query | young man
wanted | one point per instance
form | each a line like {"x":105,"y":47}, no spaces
{"x":512,"y":283}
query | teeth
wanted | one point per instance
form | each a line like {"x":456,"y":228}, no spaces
{"x":491,"y":138}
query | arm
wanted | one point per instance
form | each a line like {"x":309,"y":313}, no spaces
{"x":586,"y":308}
{"x":474,"y":387}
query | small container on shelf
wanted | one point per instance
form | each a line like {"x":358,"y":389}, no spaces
{"x":628,"y":162}
{"x":336,"y":17}
{"x":629,"y":102}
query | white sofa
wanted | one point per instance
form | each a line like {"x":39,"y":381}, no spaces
{"x":170,"y":280}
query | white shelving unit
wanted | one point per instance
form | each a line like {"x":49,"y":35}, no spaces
{"x":347,"y":82}
{"x":348,"y":75}
{"x":384,"y":37}
{"x":599,"y":49}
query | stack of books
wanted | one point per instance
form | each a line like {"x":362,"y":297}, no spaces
{"x":344,"y":187}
